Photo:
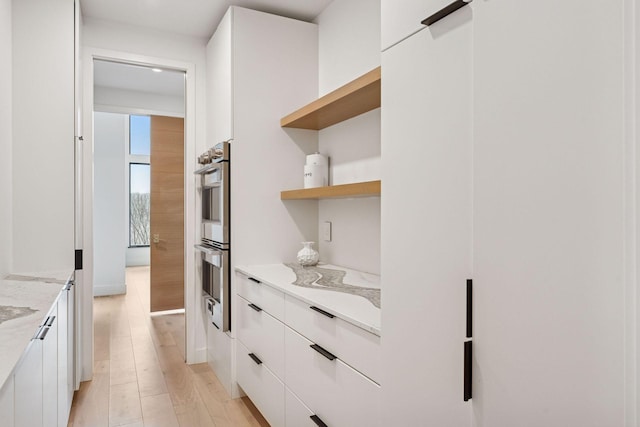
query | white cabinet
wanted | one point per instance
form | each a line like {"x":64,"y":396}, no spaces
{"x":426,"y":255}
{"x":402,"y":19}
{"x":6,"y":403}
{"x":28,"y":387}
{"x":352,"y":344}
{"x":220,"y":82}
{"x":260,"y":67}
{"x":261,"y":385}
{"x":288,"y":380}
{"x":549,"y":197}
{"x":502,"y":125}
{"x":336,"y":393}
{"x":40,"y":389}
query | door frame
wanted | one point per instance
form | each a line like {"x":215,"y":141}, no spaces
{"x":194,"y":335}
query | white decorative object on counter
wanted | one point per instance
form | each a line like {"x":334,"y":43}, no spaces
{"x":308,"y":255}
{"x":316,"y":171}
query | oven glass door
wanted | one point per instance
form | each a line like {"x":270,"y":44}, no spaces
{"x":216,"y":283}
{"x":215,"y":203}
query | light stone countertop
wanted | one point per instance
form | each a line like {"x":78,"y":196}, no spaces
{"x":33,"y":295}
{"x":342,"y":303}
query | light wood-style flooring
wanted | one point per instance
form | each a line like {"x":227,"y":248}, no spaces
{"x":140,"y":377}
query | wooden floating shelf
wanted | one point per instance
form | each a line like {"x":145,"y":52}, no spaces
{"x":354,"y":98}
{"x":358,"y":189}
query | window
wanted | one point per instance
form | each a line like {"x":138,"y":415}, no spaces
{"x":139,"y":181}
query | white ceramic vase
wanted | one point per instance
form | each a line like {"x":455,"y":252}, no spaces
{"x":307,"y":255}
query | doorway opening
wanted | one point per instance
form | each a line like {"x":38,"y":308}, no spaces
{"x":138,"y":197}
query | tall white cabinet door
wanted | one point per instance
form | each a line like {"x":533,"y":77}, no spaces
{"x":28,"y":387}
{"x":400,"y":19}
{"x":426,"y":223}
{"x":6,"y":403}
{"x":548,"y":214}
{"x":219,"y":82}
{"x":63,"y":359}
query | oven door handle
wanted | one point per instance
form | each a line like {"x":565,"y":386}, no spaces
{"x":207,"y":250}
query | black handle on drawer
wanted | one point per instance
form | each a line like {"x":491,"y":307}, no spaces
{"x":321,"y":311}
{"x":255,"y":307}
{"x":254,"y":280}
{"x":445,"y":11}
{"x":323,"y":352}
{"x":255,"y":359}
{"x":50,"y":321}
{"x":316,"y":419}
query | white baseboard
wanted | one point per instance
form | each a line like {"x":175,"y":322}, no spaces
{"x":199,"y":356}
{"x":106,"y":290}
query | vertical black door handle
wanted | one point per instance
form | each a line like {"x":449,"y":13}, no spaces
{"x":469,"y":308}
{"x":467,"y":370}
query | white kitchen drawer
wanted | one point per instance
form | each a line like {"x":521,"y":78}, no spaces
{"x":336,"y":393}
{"x":353,"y":345}
{"x":262,"y":334}
{"x":296,"y":413}
{"x":264,"y":296}
{"x":264,"y":389}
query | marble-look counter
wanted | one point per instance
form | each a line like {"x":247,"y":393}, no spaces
{"x":25,"y":300}
{"x":348,"y":303}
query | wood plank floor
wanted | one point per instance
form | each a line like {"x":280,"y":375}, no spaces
{"x":140,"y":377}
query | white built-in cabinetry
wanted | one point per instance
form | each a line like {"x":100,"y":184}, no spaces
{"x":301,"y":366}
{"x":260,"y":67}
{"x":39,"y":392}
{"x":507,"y":120}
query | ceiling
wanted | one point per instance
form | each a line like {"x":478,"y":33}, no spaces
{"x":196,"y":18}
{"x":137,"y":78}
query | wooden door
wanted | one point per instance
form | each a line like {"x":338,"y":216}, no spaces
{"x":167,"y":213}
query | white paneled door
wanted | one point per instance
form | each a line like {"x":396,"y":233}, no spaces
{"x":426,"y":223}
{"x":548,"y":214}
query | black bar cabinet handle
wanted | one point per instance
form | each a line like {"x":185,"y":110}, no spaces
{"x":254,"y":280}
{"x":43,"y":334}
{"x":255,"y":307}
{"x":469,"y":308}
{"x":445,"y":11}
{"x":316,"y":419}
{"x":467,"y":370}
{"x":321,"y":311}
{"x":255,"y":359}
{"x":323,"y":352}
{"x":50,"y":321}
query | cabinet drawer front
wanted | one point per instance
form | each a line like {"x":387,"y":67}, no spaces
{"x":262,"y":334}
{"x":296,"y":413}
{"x":336,"y":393}
{"x":353,"y":345}
{"x":264,"y":389}
{"x":264,"y":296}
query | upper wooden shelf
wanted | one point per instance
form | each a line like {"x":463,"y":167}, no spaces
{"x":354,"y":98}
{"x":358,"y":189}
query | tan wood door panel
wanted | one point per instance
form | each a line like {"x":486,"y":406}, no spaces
{"x":167,"y":213}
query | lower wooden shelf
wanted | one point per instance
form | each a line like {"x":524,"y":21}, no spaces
{"x":358,"y":189}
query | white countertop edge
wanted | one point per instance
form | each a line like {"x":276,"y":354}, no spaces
{"x":367,"y":327}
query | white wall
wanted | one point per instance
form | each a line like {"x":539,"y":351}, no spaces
{"x":129,"y":43}
{"x":137,"y":102}
{"x":43,"y":135}
{"x":5,"y":138}
{"x":349,"y":46}
{"x":109,"y":207}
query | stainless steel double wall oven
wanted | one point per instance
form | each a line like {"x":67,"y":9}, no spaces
{"x":215,"y":243}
